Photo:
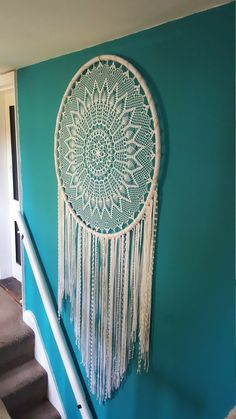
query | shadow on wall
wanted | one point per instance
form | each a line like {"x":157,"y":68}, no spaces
{"x":162,"y":384}
{"x":164,"y":158}
{"x":172,"y":398}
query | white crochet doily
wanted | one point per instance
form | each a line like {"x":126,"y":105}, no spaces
{"x":107,"y":145}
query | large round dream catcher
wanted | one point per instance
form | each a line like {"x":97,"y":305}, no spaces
{"x":107,"y":154}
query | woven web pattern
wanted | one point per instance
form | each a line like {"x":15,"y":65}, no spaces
{"x":106,"y":146}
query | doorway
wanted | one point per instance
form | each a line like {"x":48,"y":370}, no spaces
{"x":10,"y":245}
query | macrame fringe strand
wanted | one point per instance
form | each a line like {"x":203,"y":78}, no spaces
{"x":108,"y":281}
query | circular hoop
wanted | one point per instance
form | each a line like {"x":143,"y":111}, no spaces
{"x":131,"y":70}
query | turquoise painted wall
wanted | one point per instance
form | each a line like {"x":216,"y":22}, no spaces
{"x":189,"y":66}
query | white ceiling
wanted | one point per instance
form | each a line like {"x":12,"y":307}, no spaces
{"x":32,"y":31}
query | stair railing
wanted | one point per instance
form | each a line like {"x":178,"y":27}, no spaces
{"x":53,"y":319}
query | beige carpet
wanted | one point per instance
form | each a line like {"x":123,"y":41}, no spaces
{"x":3,"y":412}
{"x":23,"y":381}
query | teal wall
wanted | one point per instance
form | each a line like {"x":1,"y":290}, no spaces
{"x":189,"y":66}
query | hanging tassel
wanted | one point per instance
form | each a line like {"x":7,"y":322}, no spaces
{"x":146,"y":284}
{"x":108,"y":281}
{"x":61,"y":244}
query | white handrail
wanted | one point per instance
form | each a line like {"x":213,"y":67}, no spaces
{"x":53,"y":320}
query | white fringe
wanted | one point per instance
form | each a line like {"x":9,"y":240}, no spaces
{"x":108,"y":281}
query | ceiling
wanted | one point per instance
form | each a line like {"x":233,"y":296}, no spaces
{"x":33,"y":31}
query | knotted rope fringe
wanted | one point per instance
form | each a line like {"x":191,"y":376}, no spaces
{"x":108,"y":281}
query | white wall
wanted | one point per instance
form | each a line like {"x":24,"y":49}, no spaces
{"x":6,"y":227}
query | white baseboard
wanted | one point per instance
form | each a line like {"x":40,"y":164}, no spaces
{"x":42,"y":358}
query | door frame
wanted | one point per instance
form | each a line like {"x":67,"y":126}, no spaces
{"x":8,"y":86}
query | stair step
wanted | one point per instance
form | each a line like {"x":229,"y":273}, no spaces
{"x":43,"y":410}
{"x":12,"y":311}
{"x":23,"y":382}
{"x":16,"y":338}
{"x":22,"y":386}
{"x":16,"y":349}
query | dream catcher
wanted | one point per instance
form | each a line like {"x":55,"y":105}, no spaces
{"x":107,"y":153}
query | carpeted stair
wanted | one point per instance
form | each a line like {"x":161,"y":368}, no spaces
{"x":23,"y":382}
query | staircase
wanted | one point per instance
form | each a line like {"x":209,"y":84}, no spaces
{"x":23,"y":382}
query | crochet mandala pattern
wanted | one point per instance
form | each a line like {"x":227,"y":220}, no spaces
{"x":107,"y":155}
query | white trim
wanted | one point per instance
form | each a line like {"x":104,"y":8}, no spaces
{"x":9,"y":266}
{"x":42,"y":357}
{"x":14,"y":204}
{"x":17,"y":127}
{"x":62,"y":345}
{"x":20,"y":187}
